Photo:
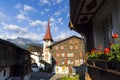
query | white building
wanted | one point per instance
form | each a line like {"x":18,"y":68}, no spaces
{"x":36,"y":56}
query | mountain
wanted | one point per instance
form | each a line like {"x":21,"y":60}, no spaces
{"x":24,"y":43}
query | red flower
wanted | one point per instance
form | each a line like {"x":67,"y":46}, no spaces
{"x":93,"y":50}
{"x":115,"y":36}
{"x":107,"y":50}
{"x":99,"y":51}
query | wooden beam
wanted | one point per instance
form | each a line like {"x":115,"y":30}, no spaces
{"x":89,"y":13}
{"x":82,"y":5}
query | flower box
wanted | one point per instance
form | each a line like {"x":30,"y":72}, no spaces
{"x":90,"y":62}
{"x":101,"y":64}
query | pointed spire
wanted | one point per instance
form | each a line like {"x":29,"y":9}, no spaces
{"x":48,"y":33}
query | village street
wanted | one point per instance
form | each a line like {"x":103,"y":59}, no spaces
{"x":44,"y":76}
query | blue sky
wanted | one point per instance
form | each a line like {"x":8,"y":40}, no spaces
{"x":28,"y":19}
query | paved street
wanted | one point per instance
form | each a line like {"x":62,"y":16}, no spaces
{"x":44,"y":76}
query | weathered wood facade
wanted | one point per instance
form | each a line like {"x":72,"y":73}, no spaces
{"x":96,"y":20}
{"x":67,"y":53}
{"x":14,"y":61}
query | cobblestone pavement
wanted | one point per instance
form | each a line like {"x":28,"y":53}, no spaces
{"x":45,"y":76}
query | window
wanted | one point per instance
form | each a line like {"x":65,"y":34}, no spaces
{"x":76,"y":41}
{"x":56,"y":47}
{"x":57,"y":54}
{"x":107,"y":31}
{"x":70,"y":54}
{"x":62,"y":47}
{"x":63,"y":55}
{"x":81,"y":55}
{"x":70,"y":62}
{"x":77,"y":62}
{"x":76,"y":47}
{"x":63,"y":62}
{"x":71,"y":47}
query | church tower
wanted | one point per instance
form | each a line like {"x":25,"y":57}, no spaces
{"x":47,"y":42}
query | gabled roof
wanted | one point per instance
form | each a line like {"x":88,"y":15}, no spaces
{"x":33,"y":48}
{"x":5,"y":42}
{"x":48,"y":33}
{"x":65,"y":40}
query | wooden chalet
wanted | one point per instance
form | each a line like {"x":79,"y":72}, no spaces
{"x":14,"y":61}
{"x":96,"y":20}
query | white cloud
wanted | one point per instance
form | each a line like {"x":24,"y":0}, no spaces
{"x":22,"y":17}
{"x":29,"y":8}
{"x":55,"y":2}
{"x":41,"y":12}
{"x":52,"y":19}
{"x":2,"y":16}
{"x":7,"y":35}
{"x":42,"y":2}
{"x":24,"y":13}
{"x":38,"y":22}
{"x":61,"y":36}
{"x":14,"y":28}
{"x":59,"y":20}
{"x":35,"y":23}
{"x":18,"y":6}
{"x":57,"y":13}
{"x":66,"y":34}
{"x":46,"y":10}
{"x":35,"y":36}
{"x":59,"y":1}
{"x":54,"y":29}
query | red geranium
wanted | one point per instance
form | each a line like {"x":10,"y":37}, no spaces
{"x":107,"y":50}
{"x":99,"y":51}
{"x":115,"y":36}
{"x":93,"y":50}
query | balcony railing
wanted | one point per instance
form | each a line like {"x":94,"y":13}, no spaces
{"x":108,"y":66}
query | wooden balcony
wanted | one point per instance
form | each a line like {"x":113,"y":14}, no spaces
{"x":103,"y":70}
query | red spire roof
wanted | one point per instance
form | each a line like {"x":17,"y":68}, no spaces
{"x":48,"y":33}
